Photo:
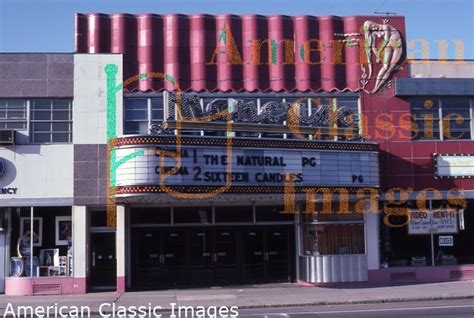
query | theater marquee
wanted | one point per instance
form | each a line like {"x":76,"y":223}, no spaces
{"x":248,"y":163}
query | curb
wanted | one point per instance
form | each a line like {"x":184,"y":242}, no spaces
{"x":358,"y":302}
{"x":332,"y":303}
{"x":318,"y":303}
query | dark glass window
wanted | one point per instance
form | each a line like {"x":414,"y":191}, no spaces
{"x":202,"y":215}
{"x":456,"y":118}
{"x":98,"y":218}
{"x":234,"y":214}
{"x":273,"y":214}
{"x":449,"y":115}
{"x":150,"y":215}
{"x":425,"y":114}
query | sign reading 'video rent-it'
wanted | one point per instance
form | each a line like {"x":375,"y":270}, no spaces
{"x":426,"y":222}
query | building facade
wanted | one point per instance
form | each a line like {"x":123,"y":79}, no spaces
{"x":177,"y":151}
{"x":433,"y":167}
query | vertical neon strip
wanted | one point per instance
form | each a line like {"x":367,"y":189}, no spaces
{"x":111,"y":71}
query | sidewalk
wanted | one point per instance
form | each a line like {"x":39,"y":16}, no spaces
{"x":257,"y":296}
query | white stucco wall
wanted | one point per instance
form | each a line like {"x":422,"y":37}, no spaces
{"x":372,"y":234}
{"x":41,"y":173}
{"x":80,"y":240}
{"x":90,"y":97}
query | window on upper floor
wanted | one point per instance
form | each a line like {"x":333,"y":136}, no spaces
{"x":140,"y":113}
{"x":260,"y":115}
{"x":40,"y":120}
{"x":13,"y":114}
{"x":441,"y":118}
{"x":51,"y":121}
{"x":456,"y":113}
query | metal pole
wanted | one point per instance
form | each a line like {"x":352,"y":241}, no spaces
{"x":31,"y":241}
{"x":431,"y":234}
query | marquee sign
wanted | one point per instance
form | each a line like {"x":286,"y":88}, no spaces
{"x":277,"y":110}
{"x":454,"y":166}
{"x":251,"y":167}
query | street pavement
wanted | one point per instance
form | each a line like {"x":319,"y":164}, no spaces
{"x":270,"y":296}
{"x":439,"y":309}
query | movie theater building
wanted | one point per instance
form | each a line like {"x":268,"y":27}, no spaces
{"x":228,"y":121}
{"x":196,"y":207}
{"x":227,"y":134}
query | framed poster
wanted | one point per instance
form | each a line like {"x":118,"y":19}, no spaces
{"x":54,"y":271}
{"x":63,"y":230}
{"x":42,"y":271}
{"x":49,"y":257}
{"x":25,"y":223}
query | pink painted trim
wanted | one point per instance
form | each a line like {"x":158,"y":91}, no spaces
{"x":121,"y":286}
{"x":423,"y":274}
{"x":23,"y":286}
{"x":305,"y":284}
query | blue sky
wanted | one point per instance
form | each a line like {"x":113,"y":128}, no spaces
{"x":48,"y":25}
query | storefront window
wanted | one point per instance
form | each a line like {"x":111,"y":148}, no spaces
{"x":41,"y":242}
{"x":335,"y":232}
{"x":406,"y":241}
{"x":333,"y":239}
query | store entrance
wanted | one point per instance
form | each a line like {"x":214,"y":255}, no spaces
{"x":207,"y":255}
{"x":213,"y":256}
{"x":267,"y":254}
{"x":103,"y":273}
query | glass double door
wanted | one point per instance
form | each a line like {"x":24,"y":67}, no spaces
{"x":267,"y":255}
{"x":214,"y":256}
{"x":197,"y":256}
{"x":158,"y":257}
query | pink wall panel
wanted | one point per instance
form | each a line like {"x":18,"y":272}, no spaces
{"x":307,"y":63}
{"x":218,"y":53}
